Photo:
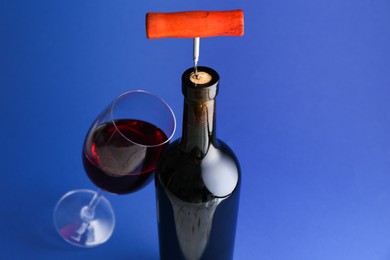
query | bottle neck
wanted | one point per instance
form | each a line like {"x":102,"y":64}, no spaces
{"x":200,"y":91}
{"x":198,"y":127}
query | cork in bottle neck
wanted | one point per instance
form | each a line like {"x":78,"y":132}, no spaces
{"x":202,"y":86}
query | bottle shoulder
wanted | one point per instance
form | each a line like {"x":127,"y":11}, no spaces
{"x":198,"y":179}
{"x":174,"y":150}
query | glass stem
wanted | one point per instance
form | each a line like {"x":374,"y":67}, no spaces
{"x":87,"y":213}
{"x":95,"y":200}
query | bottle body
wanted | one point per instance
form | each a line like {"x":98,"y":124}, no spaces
{"x":197,"y":187}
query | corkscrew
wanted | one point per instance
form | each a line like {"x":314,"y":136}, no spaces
{"x":194,"y":24}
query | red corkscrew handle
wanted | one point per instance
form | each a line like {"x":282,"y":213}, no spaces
{"x":192,"y":24}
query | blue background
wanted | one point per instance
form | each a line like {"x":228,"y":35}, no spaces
{"x":304,"y":102}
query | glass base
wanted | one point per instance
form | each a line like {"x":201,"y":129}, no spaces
{"x":78,"y":224}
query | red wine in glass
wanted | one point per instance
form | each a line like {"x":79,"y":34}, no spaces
{"x":118,"y":165}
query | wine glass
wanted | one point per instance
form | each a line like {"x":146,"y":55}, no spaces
{"x":120,"y":153}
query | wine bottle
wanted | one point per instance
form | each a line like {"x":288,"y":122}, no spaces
{"x":198,"y":180}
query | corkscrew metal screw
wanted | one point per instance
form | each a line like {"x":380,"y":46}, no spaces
{"x":196,"y":55}
{"x":194,"y":24}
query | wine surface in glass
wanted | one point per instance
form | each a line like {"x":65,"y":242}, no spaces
{"x":118,"y":165}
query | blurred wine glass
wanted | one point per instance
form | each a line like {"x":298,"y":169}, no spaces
{"x":120,"y":154}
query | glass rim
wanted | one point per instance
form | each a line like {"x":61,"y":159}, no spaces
{"x":153,"y":95}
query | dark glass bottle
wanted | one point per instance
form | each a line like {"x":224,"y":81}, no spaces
{"x":198,"y":181}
